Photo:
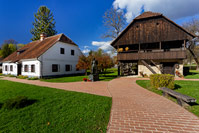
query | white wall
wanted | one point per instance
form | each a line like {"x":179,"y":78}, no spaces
{"x":14,"y":72}
{"x":53,"y":56}
{"x":29,"y":63}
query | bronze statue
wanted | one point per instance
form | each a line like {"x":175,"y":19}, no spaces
{"x":94,"y":76}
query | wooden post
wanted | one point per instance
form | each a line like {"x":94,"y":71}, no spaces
{"x":139,"y":47}
{"x":184,"y":44}
{"x":160,"y":45}
{"x":118,"y":68}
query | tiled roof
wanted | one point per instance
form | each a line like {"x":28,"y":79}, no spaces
{"x":37,"y":48}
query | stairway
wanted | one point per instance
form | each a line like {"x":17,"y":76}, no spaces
{"x":156,"y":66}
{"x":144,"y":62}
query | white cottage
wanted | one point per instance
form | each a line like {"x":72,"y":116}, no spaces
{"x":50,"y":56}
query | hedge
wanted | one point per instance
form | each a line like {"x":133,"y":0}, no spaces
{"x":162,"y":80}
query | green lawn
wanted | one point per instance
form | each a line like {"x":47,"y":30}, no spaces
{"x":193,"y":74}
{"x":190,"y":88}
{"x":54,"y":110}
{"x":106,"y":76}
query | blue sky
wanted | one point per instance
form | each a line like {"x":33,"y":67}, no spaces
{"x":81,"y":20}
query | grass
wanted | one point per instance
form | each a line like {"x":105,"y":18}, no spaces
{"x":106,"y":76}
{"x":65,"y":79}
{"x":190,"y":88}
{"x":193,"y":74}
{"x":110,"y":74}
{"x":54,"y":110}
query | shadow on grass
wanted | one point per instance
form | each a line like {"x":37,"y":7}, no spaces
{"x":194,"y":104}
{"x":29,"y":102}
{"x":192,"y":73}
{"x":107,"y":72}
{"x":12,"y":104}
{"x":177,"y":87}
{"x":1,"y":104}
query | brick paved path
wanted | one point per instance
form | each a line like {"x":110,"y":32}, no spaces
{"x":97,"y":88}
{"x":134,"y":108}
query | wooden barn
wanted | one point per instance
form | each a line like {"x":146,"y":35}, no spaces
{"x":151,"y":44}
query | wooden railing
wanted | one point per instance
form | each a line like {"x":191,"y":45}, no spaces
{"x":152,"y":55}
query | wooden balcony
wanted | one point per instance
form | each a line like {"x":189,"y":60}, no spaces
{"x":152,"y":55}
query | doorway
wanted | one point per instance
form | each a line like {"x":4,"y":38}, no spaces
{"x":169,"y":68}
{"x":19,"y":67}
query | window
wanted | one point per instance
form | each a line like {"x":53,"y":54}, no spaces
{"x":32,"y":68}
{"x":62,"y":51}
{"x":6,"y":68}
{"x":55,"y":67}
{"x":68,"y":68}
{"x":26,"y":68}
{"x":11,"y":68}
{"x":72,"y":52}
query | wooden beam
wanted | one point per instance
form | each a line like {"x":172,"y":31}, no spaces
{"x":160,"y":45}
{"x":184,"y":44}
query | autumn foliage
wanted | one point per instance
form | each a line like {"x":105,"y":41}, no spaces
{"x":104,"y":61}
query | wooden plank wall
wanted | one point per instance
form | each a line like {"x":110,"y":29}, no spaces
{"x":152,"y":55}
{"x":150,"y":31}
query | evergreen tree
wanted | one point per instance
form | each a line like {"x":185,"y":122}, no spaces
{"x":44,"y":23}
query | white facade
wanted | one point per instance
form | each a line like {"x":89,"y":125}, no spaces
{"x":29,"y":72}
{"x":54,"y":57}
{"x":64,"y":63}
{"x":9,"y":68}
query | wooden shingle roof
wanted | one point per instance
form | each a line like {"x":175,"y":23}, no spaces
{"x":36,"y":48}
{"x":148,"y":15}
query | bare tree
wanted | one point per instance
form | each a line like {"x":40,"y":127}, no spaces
{"x":193,"y":27}
{"x":114,"y":20}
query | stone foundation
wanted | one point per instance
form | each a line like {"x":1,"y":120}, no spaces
{"x":126,"y":68}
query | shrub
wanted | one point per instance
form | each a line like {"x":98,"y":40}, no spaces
{"x":17,"y":102}
{"x":9,"y":75}
{"x":33,"y":78}
{"x":162,"y":80}
{"x":22,"y":77}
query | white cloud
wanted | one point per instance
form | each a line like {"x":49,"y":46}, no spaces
{"x":85,"y":47}
{"x":103,"y":45}
{"x":173,"y":9}
{"x":86,"y":51}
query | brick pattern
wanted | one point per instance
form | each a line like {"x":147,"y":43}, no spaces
{"x":96,"y":88}
{"x":135,"y":109}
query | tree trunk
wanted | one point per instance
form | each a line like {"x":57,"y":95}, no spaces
{"x":86,"y":73}
{"x":195,"y":58}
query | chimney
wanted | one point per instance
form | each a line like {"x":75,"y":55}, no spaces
{"x":42,"y":36}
